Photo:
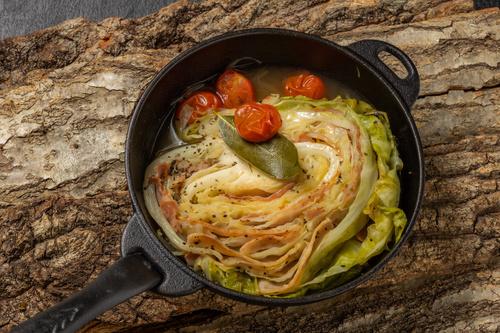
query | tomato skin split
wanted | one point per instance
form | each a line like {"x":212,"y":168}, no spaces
{"x":234,"y":89}
{"x":257,"y":122}
{"x":308,"y":85}
{"x":196,"y":106}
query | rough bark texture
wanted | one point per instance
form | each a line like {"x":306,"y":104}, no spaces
{"x":67,"y":93}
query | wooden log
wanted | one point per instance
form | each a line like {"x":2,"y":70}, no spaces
{"x":66,"y":96}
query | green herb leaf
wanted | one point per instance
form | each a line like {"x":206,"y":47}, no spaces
{"x":277,"y":157}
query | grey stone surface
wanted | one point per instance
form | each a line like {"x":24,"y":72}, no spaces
{"x":19,"y":17}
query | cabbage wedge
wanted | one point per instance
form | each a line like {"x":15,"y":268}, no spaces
{"x":283,"y":238}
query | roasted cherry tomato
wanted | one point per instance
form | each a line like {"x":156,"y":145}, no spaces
{"x":308,"y":85}
{"x":196,"y":106}
{"x":234,"y":89}
{"x":257,"y":122}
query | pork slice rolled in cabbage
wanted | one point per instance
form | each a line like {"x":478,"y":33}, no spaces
{"x":252,"y":233}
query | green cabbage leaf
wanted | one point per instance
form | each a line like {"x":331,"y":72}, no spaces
{"x":339,"y":257}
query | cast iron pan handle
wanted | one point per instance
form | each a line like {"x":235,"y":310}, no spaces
{"x":127,"y":277}
{"x":138,"y":238}
{"x":407,"y":87}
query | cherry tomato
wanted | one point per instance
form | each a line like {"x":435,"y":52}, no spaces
{"x":257,"y":122}
{"x":308,"y":85}
{"x":234,"y":89}
{"x":196,"y":106}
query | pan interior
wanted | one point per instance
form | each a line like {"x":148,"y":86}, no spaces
{"x":285,"y":49}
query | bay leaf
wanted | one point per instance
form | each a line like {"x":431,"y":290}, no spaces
{"x":276,"y":157}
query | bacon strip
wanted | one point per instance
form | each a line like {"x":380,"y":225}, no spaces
{"x":273,"y":196}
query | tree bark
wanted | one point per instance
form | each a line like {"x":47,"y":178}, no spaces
{"x":66,"y":96}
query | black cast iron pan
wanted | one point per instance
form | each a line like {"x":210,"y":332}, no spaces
{"x":147,"y":263}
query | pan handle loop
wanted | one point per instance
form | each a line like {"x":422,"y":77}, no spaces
{"x":127,"y":277}
{"x":408,"y":87}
